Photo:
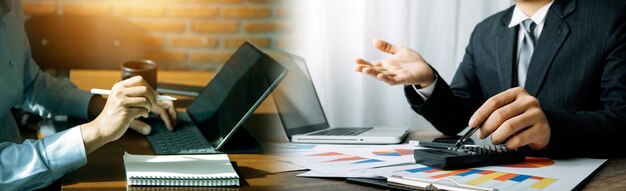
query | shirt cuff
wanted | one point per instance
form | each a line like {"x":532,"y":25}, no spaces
{"x":65,"y":151}
{"x":426,"y":92}
{"x":78,"y":102}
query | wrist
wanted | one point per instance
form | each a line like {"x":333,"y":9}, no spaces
{"x":92,"y":136}
{"x":430,"y":79}
{"x":423,"y":85}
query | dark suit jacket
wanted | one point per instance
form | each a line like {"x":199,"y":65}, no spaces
{"x":577,"y":72}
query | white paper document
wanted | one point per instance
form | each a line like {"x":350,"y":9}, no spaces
{"x":341,"y":159}
{"x":378,"y":161}
{"x":532,"y":174}
{"x":346,"y":174}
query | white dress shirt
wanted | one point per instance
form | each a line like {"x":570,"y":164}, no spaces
{"x":539,"y":18}
{"x":518,"y":16}
{"x":33,"y":164}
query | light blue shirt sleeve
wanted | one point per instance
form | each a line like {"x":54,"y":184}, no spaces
{"x":31,"y":164}
{"x":37,"y":163}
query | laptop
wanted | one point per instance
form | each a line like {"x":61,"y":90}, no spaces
{"x":303,"y":117}
{"x":228,"y":100}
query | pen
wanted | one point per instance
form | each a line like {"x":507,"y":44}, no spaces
{"x":107,"y":92}
{"x":465,"y":137}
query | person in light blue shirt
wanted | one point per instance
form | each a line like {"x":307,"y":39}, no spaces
{"x":32,"y":164}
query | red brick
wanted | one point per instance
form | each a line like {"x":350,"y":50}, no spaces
{"x":255,"y":27}
{"x":235,"y":42}
{"x":194,"y":42}
{"x":189,"y":34}
{"x":141,"y":11}
{"x":216,"y":1}
{"x":39,"y":8}
{"x":86,"y":9}
{"x":193,"y":12}
{"x":153,"y":1}
{"x":210,"y":57}
{"x":166,"y":56}
{"x":153,"y":42}
{"x":246,"y":12}
{"x":163,"y":26}
{"x":283,"y":12}
{"x":266,"y":1}
{"x":215,"y":26}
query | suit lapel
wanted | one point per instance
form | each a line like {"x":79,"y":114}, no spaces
{"x":505,"y":47}
{"x":554,"y":34}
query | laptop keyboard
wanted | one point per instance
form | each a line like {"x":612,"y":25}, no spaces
{"x":344,"y":131}
{"x":185,"y":139}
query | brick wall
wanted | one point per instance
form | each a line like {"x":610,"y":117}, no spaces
{"x":187,"y":34}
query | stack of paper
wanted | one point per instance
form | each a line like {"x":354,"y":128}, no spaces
{"x":180,"y":170}
{"x":385,"y":161}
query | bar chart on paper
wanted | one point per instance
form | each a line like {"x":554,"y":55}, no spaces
{"x":340,"y":159}
{"x":532,"y":174}
{"x":337,"y":161}
{"x":394,"y":152}
{"x":481,"y":178}
{"x":532,"y":162}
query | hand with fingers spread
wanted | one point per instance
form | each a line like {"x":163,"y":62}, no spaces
{"x":129,"y":99}
{"x":514,"y":118}
{"x":404,"y":66}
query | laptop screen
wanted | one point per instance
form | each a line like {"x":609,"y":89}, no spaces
{"x":299,"y":107}
{"x":234,"y":93}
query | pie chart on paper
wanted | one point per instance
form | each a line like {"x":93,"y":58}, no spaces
{"x":532,"y":162}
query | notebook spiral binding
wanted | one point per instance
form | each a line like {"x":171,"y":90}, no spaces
{"x":182,"y":181}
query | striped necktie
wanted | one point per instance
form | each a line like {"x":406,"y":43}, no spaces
{"x":526,"y":51}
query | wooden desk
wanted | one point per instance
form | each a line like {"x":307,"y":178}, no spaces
{"x":105,"y":169}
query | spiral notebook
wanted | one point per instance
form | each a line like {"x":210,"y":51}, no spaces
{"x":180,"y":170}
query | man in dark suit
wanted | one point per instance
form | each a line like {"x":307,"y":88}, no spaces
{"x":543,"y":73}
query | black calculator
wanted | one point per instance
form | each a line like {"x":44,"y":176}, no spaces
{"x":468,"y":156}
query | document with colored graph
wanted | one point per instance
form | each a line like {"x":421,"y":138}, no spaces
{"x":343,"y":159}
{"x":533,"y":174}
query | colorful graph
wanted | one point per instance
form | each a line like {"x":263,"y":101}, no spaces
{"x":394,"y":152}
{"x":532,"y":162}
{"x":368,"y":161}
{"x":327,"y":154}
{"x":347,"y":158}
{"x":332,"y":157}
{"x":482,"y":178}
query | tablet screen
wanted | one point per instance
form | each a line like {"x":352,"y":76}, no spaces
{"x":233,"y":94}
